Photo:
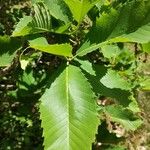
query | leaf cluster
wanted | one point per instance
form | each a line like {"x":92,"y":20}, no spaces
{"x":95,"y":46}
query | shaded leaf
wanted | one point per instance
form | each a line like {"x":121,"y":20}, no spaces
{"x":58,"y":9}
{"x":80,"y":8}
{"x":63,"y":28}
{"x":122,"y":116}
{"x":126,"y":24}
{"x":40,"y":22}
{"x":87,"y":66}
{"x":120,"y":96}
{"x":8,"y":48}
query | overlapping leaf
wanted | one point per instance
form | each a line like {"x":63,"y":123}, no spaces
{"x":110,"y":51}
{"x":115,"y":90}
{"x":139,"y":36}
{"x":57,"y":49}
{"x":113,"y":80}
{"x":124,"y":117}
{"x":59,"y":10}
{"x":68,"y":112}
{"x":79,"y":8}
{"x":130,"y":23}
{"x":41,"y":22}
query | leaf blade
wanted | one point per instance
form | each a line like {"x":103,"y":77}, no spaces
{"x":69,"y":116}
{"x":126,"y":24}
{"x":122,"y":116}
{"x":80,"y":8}
{"x":58,"y":9}
{"x":56,"y":49}
{"x":40,"y":22}
{"x":8,"y":48}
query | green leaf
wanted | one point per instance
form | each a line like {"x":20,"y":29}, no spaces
{"x":27,"y":80}
{"x":94,"y":77}
{"x":56,"y":49}
{"x":129,"y":23}
{"x":110,"y":51}
{"x":62,"y":29}
{"x":122,"y":116}
{"x":86,"y":65}
{"x":58,"y":9}
{"x":87,"y":47}
{"x":113,"y":80}
{"x":40,"y":22}
{"x":133,"y":106}
{"x":36,"y":1}
{"x":8,"y":48}
{"x":145,"y":84}
{"x":23,"y":27}
{"x":139,"y":36}
{"x":146,"y":47}
{"x":80,"y":8}
{"x":68,"y":112}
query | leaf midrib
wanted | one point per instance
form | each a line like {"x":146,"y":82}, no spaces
{"x":67,"y":98}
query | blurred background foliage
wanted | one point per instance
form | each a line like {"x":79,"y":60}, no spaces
{"x":19,"y":117}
